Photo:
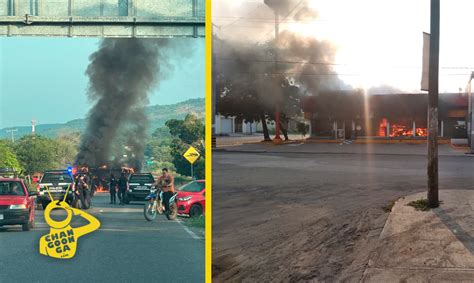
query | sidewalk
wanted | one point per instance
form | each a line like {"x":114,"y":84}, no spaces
{"x":343,"y":148}
{"x":430,"y":246}
{"x":239,"y":139}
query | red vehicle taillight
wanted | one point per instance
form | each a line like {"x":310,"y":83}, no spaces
{"x":38,"y":188}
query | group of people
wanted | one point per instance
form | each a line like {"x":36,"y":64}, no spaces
{"x":165,"y":182}
{"x":83,"y":192}
{"x":119,"y":186}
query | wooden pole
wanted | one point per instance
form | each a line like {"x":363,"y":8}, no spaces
{"x":432,"y":168}
{"x":277,"y":138}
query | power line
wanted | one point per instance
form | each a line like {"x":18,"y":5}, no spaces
{"x":335,"y":64}
{"x":269,"y":20}
{"x":279,"y":61}
{"x":315,"y":75}
{"x":237,"y":19}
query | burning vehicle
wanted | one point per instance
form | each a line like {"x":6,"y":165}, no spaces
{"x":99,"y":177}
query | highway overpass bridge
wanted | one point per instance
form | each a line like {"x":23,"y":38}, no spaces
{"x":102,"y":18}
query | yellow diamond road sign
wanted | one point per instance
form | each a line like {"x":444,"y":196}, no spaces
{"x":191,"y":155}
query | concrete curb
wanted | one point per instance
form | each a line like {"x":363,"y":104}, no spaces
{"x":261,"y":151}
{"x":432,"y":246}
{"x":373,"y":255}
{"x":357,"y":141}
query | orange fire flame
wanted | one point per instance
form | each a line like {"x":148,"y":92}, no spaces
{"x":400,"y":130}
{"x":101,"y":189}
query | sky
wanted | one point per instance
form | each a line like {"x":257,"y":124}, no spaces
{"x":379,"y":42}
{"x":44,"y":79}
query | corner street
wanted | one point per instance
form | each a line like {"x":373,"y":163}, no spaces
{"x":314,"y":211}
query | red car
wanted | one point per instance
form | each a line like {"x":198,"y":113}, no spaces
{"x":191,"y":199}
{"x":17,"y":204}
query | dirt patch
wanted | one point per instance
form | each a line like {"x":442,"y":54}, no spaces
{"x":312,"y":246}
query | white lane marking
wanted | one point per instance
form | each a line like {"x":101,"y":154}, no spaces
{"x":191,"y":233}
{"x":294,"y":144}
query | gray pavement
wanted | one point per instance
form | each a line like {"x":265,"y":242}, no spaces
{"x":126,"y":248}
{"x":426,"y":246}
{"x":313,"y":212}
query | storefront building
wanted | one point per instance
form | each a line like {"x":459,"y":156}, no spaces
{"x":352,"y":115}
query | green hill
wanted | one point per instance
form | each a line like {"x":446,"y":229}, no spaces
{"x":157,"y":115}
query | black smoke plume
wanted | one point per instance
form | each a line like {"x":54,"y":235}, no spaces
{"x":121,"y":75}
{"x":307,"y":62}
{"x":266,"y":66}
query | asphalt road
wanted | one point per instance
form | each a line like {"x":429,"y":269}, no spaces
{"x":126,"y":248}
{"x":313,"y":212}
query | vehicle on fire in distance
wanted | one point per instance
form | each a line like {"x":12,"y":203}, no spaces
{"x":139,"y":186}
{"x":191,"y":199}
{"x":17,"y":204}
{"x":57,"y":181}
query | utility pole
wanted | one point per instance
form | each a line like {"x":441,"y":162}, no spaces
{"x":432,"y":168}
{"x":274,"y":5}
{"x":214,"y":96}
{"x":470,"y":115}
{"x":12,"y":131}
{"x":277,"y":138}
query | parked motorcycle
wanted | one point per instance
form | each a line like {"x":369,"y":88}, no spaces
{"x":155,"y":206}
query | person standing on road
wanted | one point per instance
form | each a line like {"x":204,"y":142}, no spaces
{"x":122,"y":186}
{"x":113,"y":189}
{"x":87,"y":192}
{"x":94,"y":185}
{"x":166,"y":182}
{"x":81,"y":187}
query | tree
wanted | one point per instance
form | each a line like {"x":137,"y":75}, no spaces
{"x":66,"y":149}
{"x":289,"y":104}
{"x":190,"y":130}
{"x":158,"y":150}
{"x":302,"y":128}
{"x":240,"y":82}
{"x":239,"y":98}
{"x":36,"y":153}
{"x":252,"y":80}
{"x":185,"y":133}
{"x":8,"y":158}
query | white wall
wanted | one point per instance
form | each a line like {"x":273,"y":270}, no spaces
{"x":249,"y":128}
{"x":224,"y":125}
